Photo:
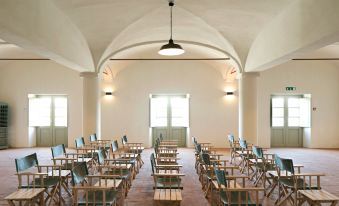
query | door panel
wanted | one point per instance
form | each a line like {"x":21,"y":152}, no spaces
{"x":156,"y":131}
{"x":293,"y":137}
{"x":278,"y":137}
{"x":179,"y":134}
{"x":60,"y":136}
{"x":45,"y":136}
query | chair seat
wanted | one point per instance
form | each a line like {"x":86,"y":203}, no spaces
{"x":235,"y":199}
{"x":97,"y":198}
{"x":264,"y":166}
{"x":124,"y":173}
{"x":247,"y":156}
{"x":288,"y":182}
{"x":47,"y":182}
{"x":165,"y":183}
{"x":69,"y":165}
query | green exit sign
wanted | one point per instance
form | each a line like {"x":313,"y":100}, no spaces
{"x":291,"y":88}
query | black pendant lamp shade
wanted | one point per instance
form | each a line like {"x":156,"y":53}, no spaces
{"x":171,"y":49}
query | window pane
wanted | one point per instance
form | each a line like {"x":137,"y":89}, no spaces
{"x":159,"y":112}
{"x":60,"y":102}
{"x":305,"y":112}
{"x":179,"y":108}
{"x":293,"y":121}
{"x":60,"y":111}
{"x":277,"y":122}
{"x":40,"y":111}
{"x":278,"y":112}
{"x":293,"y":102}
{"x":277,"y":102}
{"x":293,"y":112}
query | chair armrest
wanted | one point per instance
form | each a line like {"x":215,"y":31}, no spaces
{"x":309,"y":174}
{"x":169,"y":166}
{"x":91,"y":188}
{"x":244,"y":189}
{"x":168,"y":174}
{"x":32,"y":173}
{"x":52,"y":166}
{"x":104,"y":176}
{"x":64,"y":158}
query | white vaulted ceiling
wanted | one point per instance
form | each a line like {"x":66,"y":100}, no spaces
{"x":84,"y":34}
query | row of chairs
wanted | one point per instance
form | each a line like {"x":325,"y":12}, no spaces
{"x":166,"y":172}
{"x":217,"y":174}
{"x":99,"y":176}
{"x":272,"y":172}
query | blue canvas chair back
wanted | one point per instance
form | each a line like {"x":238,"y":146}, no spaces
{"x":284,"y":164}
{"x":198,"y":148}
{"x":124,"y":139}
{"x":115,"y":146}
{"x":26,"y":162}
{"x":58,"y":150}
{"x":221,"y":177}
{"x":101,"y":156}
{"x":194,"y":140}
{"x":230,"y":138}
{"x":206,"y":158}
{"x":243,"y":143}
{"x":79,"y":173}
{"x":156,"y":148}
{"x":79,"y":142}
{"x":258,"y":152}
{"x":93,"y":137}
{"x":152,"y":158}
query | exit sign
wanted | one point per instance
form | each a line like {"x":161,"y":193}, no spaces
{"x":291,"y":88}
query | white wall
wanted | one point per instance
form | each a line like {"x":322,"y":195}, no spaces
{"x":318,"y":78}
{"x":212,"y":115}
{"x":20,"y":78}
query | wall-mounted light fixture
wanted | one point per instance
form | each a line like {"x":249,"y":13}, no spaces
{"x":108,"y":93}
{"x":229,"y":93}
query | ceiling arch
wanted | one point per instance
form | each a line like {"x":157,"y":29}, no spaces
{"x":40,"y":27}
{"x":305,"y":25}
{"x":149,"y":51}
{"x":154,"y":28}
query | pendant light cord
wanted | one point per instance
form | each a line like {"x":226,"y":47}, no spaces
{"x":171,"y":4}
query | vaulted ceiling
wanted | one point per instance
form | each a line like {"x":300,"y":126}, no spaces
{"x":84,"y":34}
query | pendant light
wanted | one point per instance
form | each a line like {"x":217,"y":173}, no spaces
{"x":171,"y":49}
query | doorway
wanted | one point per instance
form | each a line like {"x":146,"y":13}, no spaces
{"x":289,"y":116}
{"x":48,"y":116}
{"x":169,"y":117}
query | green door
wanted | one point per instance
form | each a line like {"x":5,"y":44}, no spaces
{"x":48,"y":114}
{"x":169,"y":117}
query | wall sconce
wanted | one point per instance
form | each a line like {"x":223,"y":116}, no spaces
{"x":108,"y":93}
{"x":229,"y":93}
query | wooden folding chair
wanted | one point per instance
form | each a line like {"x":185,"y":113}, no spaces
{"x":32,"y":175}
{"x":93,"y":189}
{"x":233,"y":193}
{"x":290,"y":182}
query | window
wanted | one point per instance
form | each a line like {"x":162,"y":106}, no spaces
{"x":278,"y":112}
{"x":60,"y":111}
{"x":159,"y":112}
{"x":179,"y":108}
{"x":293,"y":112}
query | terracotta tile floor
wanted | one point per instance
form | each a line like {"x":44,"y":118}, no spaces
{"x":141,"y":192}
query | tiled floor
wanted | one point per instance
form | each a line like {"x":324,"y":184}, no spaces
{"x":141,"y":193}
